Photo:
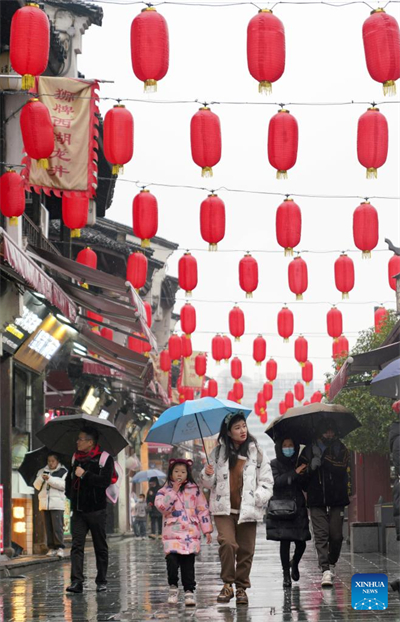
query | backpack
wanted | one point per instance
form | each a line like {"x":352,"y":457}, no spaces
{"x":112,"y":491}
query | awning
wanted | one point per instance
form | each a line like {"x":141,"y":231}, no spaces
{"x":133,"y":362}
{"x":35,"y":277}
{"x":58,"y":390}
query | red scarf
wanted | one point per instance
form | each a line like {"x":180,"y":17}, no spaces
{"x":85,"y":456}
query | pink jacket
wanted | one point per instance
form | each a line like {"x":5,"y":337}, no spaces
{"x":185,"y":516}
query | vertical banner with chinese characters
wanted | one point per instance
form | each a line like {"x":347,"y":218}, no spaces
{"x":189,"y":376}
{"x":73,"y":164}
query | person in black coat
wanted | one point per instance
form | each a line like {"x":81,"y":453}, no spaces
{"x":288,"y":482}
{"x":155,"y":515}
{"x":86,"y":486}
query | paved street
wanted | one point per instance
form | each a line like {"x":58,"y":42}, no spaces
{"x":138,"y":589}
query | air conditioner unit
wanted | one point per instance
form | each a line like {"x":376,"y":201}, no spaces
{"x":44,"y":221}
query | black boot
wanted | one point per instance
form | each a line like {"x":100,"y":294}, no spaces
{"x":295,"y":569}
{"x":286,"y":578}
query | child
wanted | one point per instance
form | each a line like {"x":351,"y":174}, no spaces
{"x":139,"y":524}
{"x":185,"y":516}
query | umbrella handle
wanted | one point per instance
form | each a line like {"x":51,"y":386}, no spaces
{"x":202,"y":439}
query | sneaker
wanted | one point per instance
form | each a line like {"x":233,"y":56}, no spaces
{"x":173,"y":595}
{"x":327,"y":579}
{"x":51,"y":553}
{"x":60,"y":553}
{"x":333,"y":570}
{"x":241,"y":596}
{"x":226,"y":594}
{"x":190,"y":600}
{"x":101,"y":587}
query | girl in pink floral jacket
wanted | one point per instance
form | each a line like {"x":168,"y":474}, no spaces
{"x":185,"y":517}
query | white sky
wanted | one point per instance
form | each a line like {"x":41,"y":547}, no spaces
{"x":324,"y":63}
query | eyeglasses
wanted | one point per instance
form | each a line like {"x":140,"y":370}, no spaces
{"x":82,"y":440}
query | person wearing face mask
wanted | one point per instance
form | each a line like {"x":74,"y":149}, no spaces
{"x":327,"y":461}
{"x":288,"y":483}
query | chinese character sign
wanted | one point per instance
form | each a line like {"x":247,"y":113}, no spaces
{"x":72,"y":165}
{"x":189,"y":376}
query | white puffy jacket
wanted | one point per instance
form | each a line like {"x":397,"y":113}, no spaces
{"x":52,"y":492}
{"x":258,"y":484}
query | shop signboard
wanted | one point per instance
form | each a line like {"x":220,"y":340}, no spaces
{"x":18,"y":331}
{"x":42,"y":344}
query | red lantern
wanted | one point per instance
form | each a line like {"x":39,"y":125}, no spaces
{"x":259,"y":349}
{"x":188,"y":319}
{"x":187,"y":349}
{"x":289,"y":399}
{"x":107,"y":333}
{"x":227,"y":348}
{"x":372,"y":141}
{"x":29,"y":44}
{"x":231,"y":396}
{"x":136,"y":270}
{"x":393,"y":269}
{"x":175,"y":348}
{"x":307,"y":372}
{"x":268,"y":391}
{"x":217,"y":348}
{"x":87,"y":257}
{"x":301,"y":350}
{"x":257,"y":409}
{"x":75,"y":210}
{"x":145,"y":216}
{"x":165,"y":361}
{"x":212,"y":387}
{"x":238,"y":391}
{"x":212,"y":221}
{"x":204,"y":392}
{"x":381,"y":316}
{"x":285,"y":323}
{"x":182,"y":398}
{"x":271,"y":370}
{"x":205,"y":139}
{"x":381,"y":37}
{"x":299,"y":391}
{"x":298,"y":277}
{"x":261,"y":401}
{"x":236,"y":368}
{"x":95,"y":317}
{"x":316,"y":397}
{"x":365,"y":228}
{"x":248,"y":275}
{"x":138,"y":344}
{"x":149,"y":314}
{"x":340,"y":348}
{"x":118,"y":138}
{"x":288,"y":225}
{"x":282,"y":407}
{"x":344,"y":275}
{"x":265,"y":49}
{"x":236,"y":323}
{"x":283,"y":138}
{"x":12,"y":196}
{"x":327,"y":389}
{"x":264,"y":417}
{"x":37,"y":132}
{"x":334,"y":323}
{"x":189,"y":393}
{"x":149,"y":48}
{"x":187,"y":273}
{"x":306,"y":403}
{"x":200,"y":364}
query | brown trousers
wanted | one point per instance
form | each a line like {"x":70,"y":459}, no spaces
{"x":236,"y":549}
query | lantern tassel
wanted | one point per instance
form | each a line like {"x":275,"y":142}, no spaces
{"x":237,"y":338}
{"x":145,"y":243}
{"x":281,"y":175}
{"x":258,"y":363}
{"x":372,"y":173}
{"x":175,"y":362}
{"x":206,"y":171}
{"x":189,"y":293}
{"x":366,"y":254}
{"x":302,"y":365}
{"x":13,"y":221}
{"x":236,"y":380}
{"x":345,"y":295}
{"x":75,"y":233}
{"x":43,"y":163}
{"x":389,"y":88}
{"x":286,"y":340}
{"x":299,"y":296}
{"x":288,"y":252}
{"x":213,"y":247}
{"x":28,"y":82}
{"x":265,"y":87}
{"x":116,"y":169}
{"x":249,"y":294}
{"x":188,"y":335}
{"x":150,"y":86}
{"x":85,"y":285}
{"x":226,"y":360}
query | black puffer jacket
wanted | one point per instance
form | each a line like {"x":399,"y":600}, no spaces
{"x":327,"y":485}
{"x":288,"y":485}
{"x":394,"y":443}
{"x":88,"y":493}
{"x":151,"y":496}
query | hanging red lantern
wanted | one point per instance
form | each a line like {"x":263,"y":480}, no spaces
{"x":381,"y":316}
{"x":87,"y":257}
{"x":12,"y":196}
{"x":212,"y":387}
{"x":264,"y":417}
{"x":37,"y":132}
{"x":136,"y":270}
{"x":107,"y":333}
{"x":248,"y":275}
{"x":238,"y":391}
{"x":282,"y":407}
{"x":200,"y":365}
{"x":301,"y":350}
{"x":259,"y":349}
{"x":187,"y":273}
{"x":149,"y":314}
{"x":29,"y":43}
{"x":306,"y":403}
{"x":217,"y":348}
{"x":299,"y":391}
{"x":334,"y":322}
{"x":236,"y":369}
{"x":182,"y":398}
{"x":175,"y":348}
{"x":189,"y":393}
{"x":285,"y":323}
{"x":187,"y":349}
{"x":327,"y":389}
{"x":340,"y":348}
{"x":268,"y":391}
{"x":393,"y":269}
{"x":372,"y":141}
{"x":188,"y":319}
{"x":288,"y":225}
{"x":365,"y":228}
{"x":205,"y":139}
{"x":344,"y":275}
{"x":227,"y":348}
{"x":204,"y":392}
{"x":145,"y":216}
{"x":231,"y":396}
{"x":261,"y":402}
{"x":381,"y":37}
{"x":149,"y":48}
{"x":283,"y":139}
{"x":266,"y":49}
{"x":236,"y":323}
{"x":94,"y":317}
{"x":118,"y":138}
{"x":316,"y":397}
{"x":165,"y":361}
{"x":75,"y":210}
{"x":138,"y":344}
{"x":289,"y":399}
{"x":298,"y":277}
{"x":307,"y":372}
{"x":212,"y":221}
{"x":257,"y":409}
{"x":271,"y":370}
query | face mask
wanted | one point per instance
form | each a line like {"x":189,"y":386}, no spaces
{"x":288,"y":452}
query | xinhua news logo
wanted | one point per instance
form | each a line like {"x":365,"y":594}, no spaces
{"x":369,"y":591}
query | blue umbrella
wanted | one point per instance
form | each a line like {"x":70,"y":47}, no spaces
{"x":387,"y":382}
{"x":144,"y":476}
{"x":193,"y":419}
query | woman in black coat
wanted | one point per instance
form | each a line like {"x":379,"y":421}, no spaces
{"x":288,"y":479}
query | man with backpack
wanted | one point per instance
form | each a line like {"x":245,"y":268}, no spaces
{"x":87,"y":482}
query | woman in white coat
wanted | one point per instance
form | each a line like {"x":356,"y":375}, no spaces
{"x":241,"y":482}
{"x":50,"y":482}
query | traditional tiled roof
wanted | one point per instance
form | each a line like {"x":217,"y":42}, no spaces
{"x":80,"y":7}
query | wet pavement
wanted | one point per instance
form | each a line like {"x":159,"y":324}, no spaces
{"x":138,"y":590}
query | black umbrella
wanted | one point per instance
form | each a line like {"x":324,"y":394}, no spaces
{"x":37,"y":459}
{"x":301,"y":423}
{"x":60,"y":434}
